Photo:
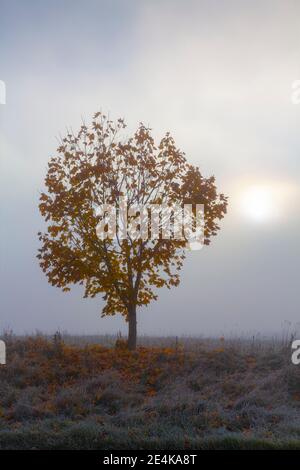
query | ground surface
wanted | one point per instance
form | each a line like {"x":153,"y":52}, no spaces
{"x":70,"y":394}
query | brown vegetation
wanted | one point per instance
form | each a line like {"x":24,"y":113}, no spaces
{"x":57,"y":395}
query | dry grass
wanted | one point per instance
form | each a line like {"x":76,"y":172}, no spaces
{"x":64,"y":392}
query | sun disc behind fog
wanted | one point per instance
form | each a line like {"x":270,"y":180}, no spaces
{"x":260,"y":203}
{"x":265,"y":202}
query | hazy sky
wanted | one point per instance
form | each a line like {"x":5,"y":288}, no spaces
{"x":218,"y":75}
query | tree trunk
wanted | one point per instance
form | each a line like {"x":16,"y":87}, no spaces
{"x":132,"y":328}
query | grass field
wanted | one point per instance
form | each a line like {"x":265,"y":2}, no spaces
{"x":67,"y":392}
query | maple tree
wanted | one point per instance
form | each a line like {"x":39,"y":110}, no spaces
{"x":97,"y":166}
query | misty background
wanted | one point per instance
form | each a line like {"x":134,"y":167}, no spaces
{"x":218,"y":75}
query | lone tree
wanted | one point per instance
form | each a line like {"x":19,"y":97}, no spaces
{"x":98,"y":166}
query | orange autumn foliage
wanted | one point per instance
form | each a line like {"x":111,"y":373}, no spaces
{"x":97,"y":166}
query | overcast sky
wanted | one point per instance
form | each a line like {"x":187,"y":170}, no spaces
{"x":218,"y":75}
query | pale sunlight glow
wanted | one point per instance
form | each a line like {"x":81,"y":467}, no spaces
{"x":265,"y":202}
{"x":259,"y":204}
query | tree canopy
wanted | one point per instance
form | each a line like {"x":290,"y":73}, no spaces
{"x":98,"y":166}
